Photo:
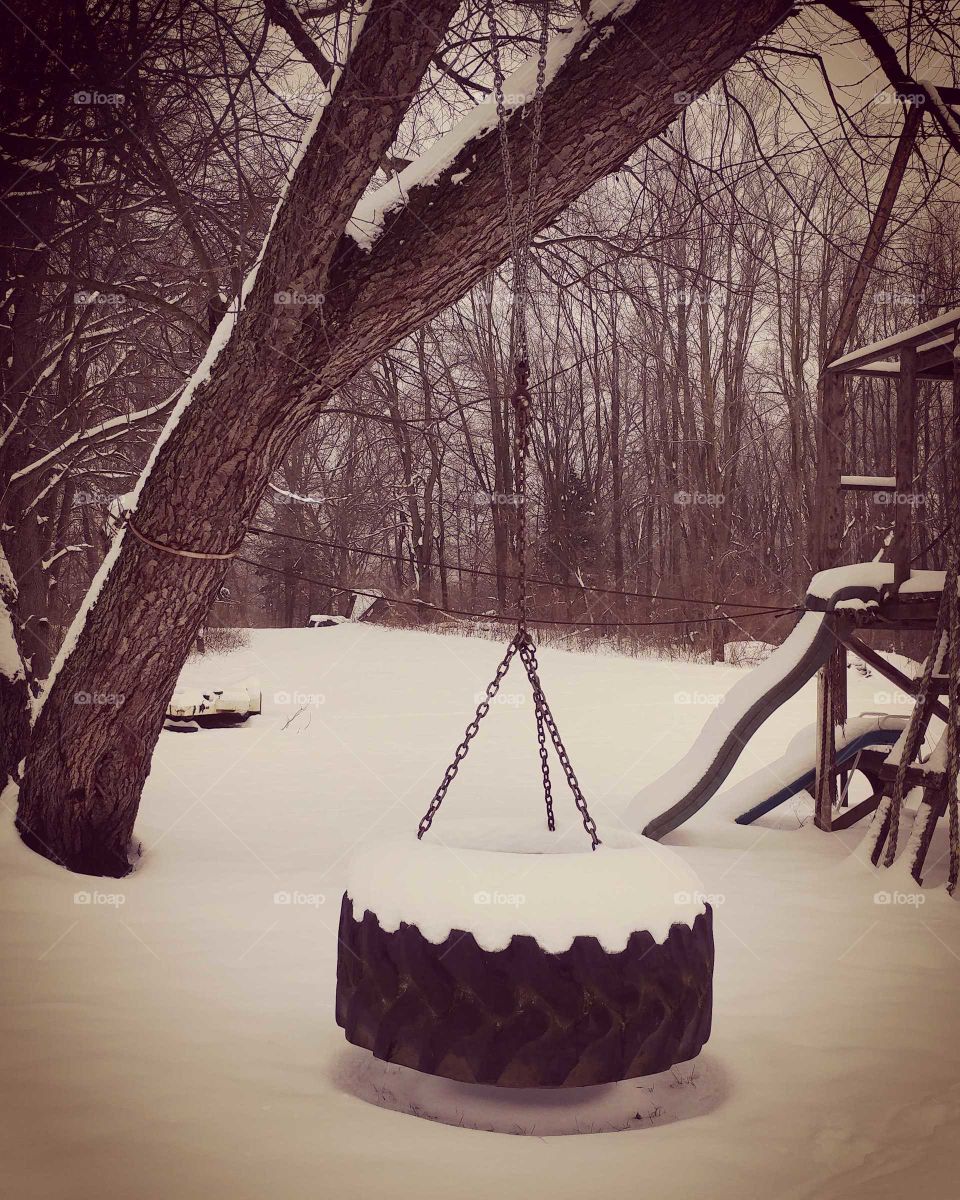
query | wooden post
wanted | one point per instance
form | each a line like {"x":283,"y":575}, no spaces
{"x":827,"y":524}
{"x":825,"y":784}
{"x":906,"y":455}
{"x":828,"y":514}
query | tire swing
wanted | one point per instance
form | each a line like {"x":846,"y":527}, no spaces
{"x":524,"y":961}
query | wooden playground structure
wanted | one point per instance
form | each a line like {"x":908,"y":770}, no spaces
{"x":901,"y":597}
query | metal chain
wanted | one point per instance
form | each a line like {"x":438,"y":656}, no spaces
{"x":521,"y":449}
{"x":526,"y":228}
{"x":528,"y":653}
{"x":504,"y":140}
{"x":522,"y":642}
{"x":544,"y":764}
{"x":471,"y":732}
{"x":519,"y":227}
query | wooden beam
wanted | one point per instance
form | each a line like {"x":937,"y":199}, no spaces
{"x":825,"y":783}
{"x":906,"y":459}
{"x":857,"y":812}
{"x":933,"y":341}
{"x":848,"y":485}
{"x":875,"y":762}
{"x":932,"y":807}
{"x":876,"y":660}
{"x":831,"y":400}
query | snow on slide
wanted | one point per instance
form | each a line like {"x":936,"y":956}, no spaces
{"x":686,"y":787}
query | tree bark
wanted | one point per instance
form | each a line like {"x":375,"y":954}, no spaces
{"x":14,"y":697}
{"x":92,"y":743}
{"x":622,"y":84}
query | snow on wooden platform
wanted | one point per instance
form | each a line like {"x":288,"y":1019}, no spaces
{"x":871,"y":577}
{"x":916,"y":335}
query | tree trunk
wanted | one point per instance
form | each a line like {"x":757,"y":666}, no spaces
{"x":93,"y":740}
{"x":14,"y":698}
{"x":620,"y":85}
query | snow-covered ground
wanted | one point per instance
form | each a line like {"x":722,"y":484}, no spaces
{"x":171,"y":1035}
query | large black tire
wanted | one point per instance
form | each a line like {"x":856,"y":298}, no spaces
{"x":522,"y":1017}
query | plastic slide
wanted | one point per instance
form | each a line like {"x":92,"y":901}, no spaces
{"x":846,"y":757}
{"x":687,"y":787}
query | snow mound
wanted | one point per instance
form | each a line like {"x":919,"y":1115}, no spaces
{"x":687,"y":1090}
{"x":500,"y":879}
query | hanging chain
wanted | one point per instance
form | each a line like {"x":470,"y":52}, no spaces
{"x":528,"y":654}
{"x":471,"y":732}
{"x":520,"y":230}
{"x":519,"y":224}
{"x":521,"y":450}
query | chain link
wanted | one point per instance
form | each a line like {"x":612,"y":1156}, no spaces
{"x":471,"y":732}
{"x":521,"y":449}
{"x":528,"y":654}
{"x":522,"y":642}
{"x":519,"y":225}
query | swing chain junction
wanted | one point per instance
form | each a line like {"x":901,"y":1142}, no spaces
{"x":522,"y":642}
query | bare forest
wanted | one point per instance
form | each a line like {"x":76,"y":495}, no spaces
{"x":682,"y":308}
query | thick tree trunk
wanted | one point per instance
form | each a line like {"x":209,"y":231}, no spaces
{"x":93,"y":740}
{"x":622,"y":84}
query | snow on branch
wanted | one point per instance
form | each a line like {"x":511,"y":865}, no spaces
{"x":370,"y":215}
{"x":82,"y":436}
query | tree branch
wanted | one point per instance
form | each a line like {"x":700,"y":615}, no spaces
{"x":623,"y":81}
{"x":280,"y":12}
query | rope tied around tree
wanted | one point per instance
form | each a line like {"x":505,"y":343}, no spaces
{"x":522,"y":643}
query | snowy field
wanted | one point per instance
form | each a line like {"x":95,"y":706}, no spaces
{"x":171,"y":1035}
